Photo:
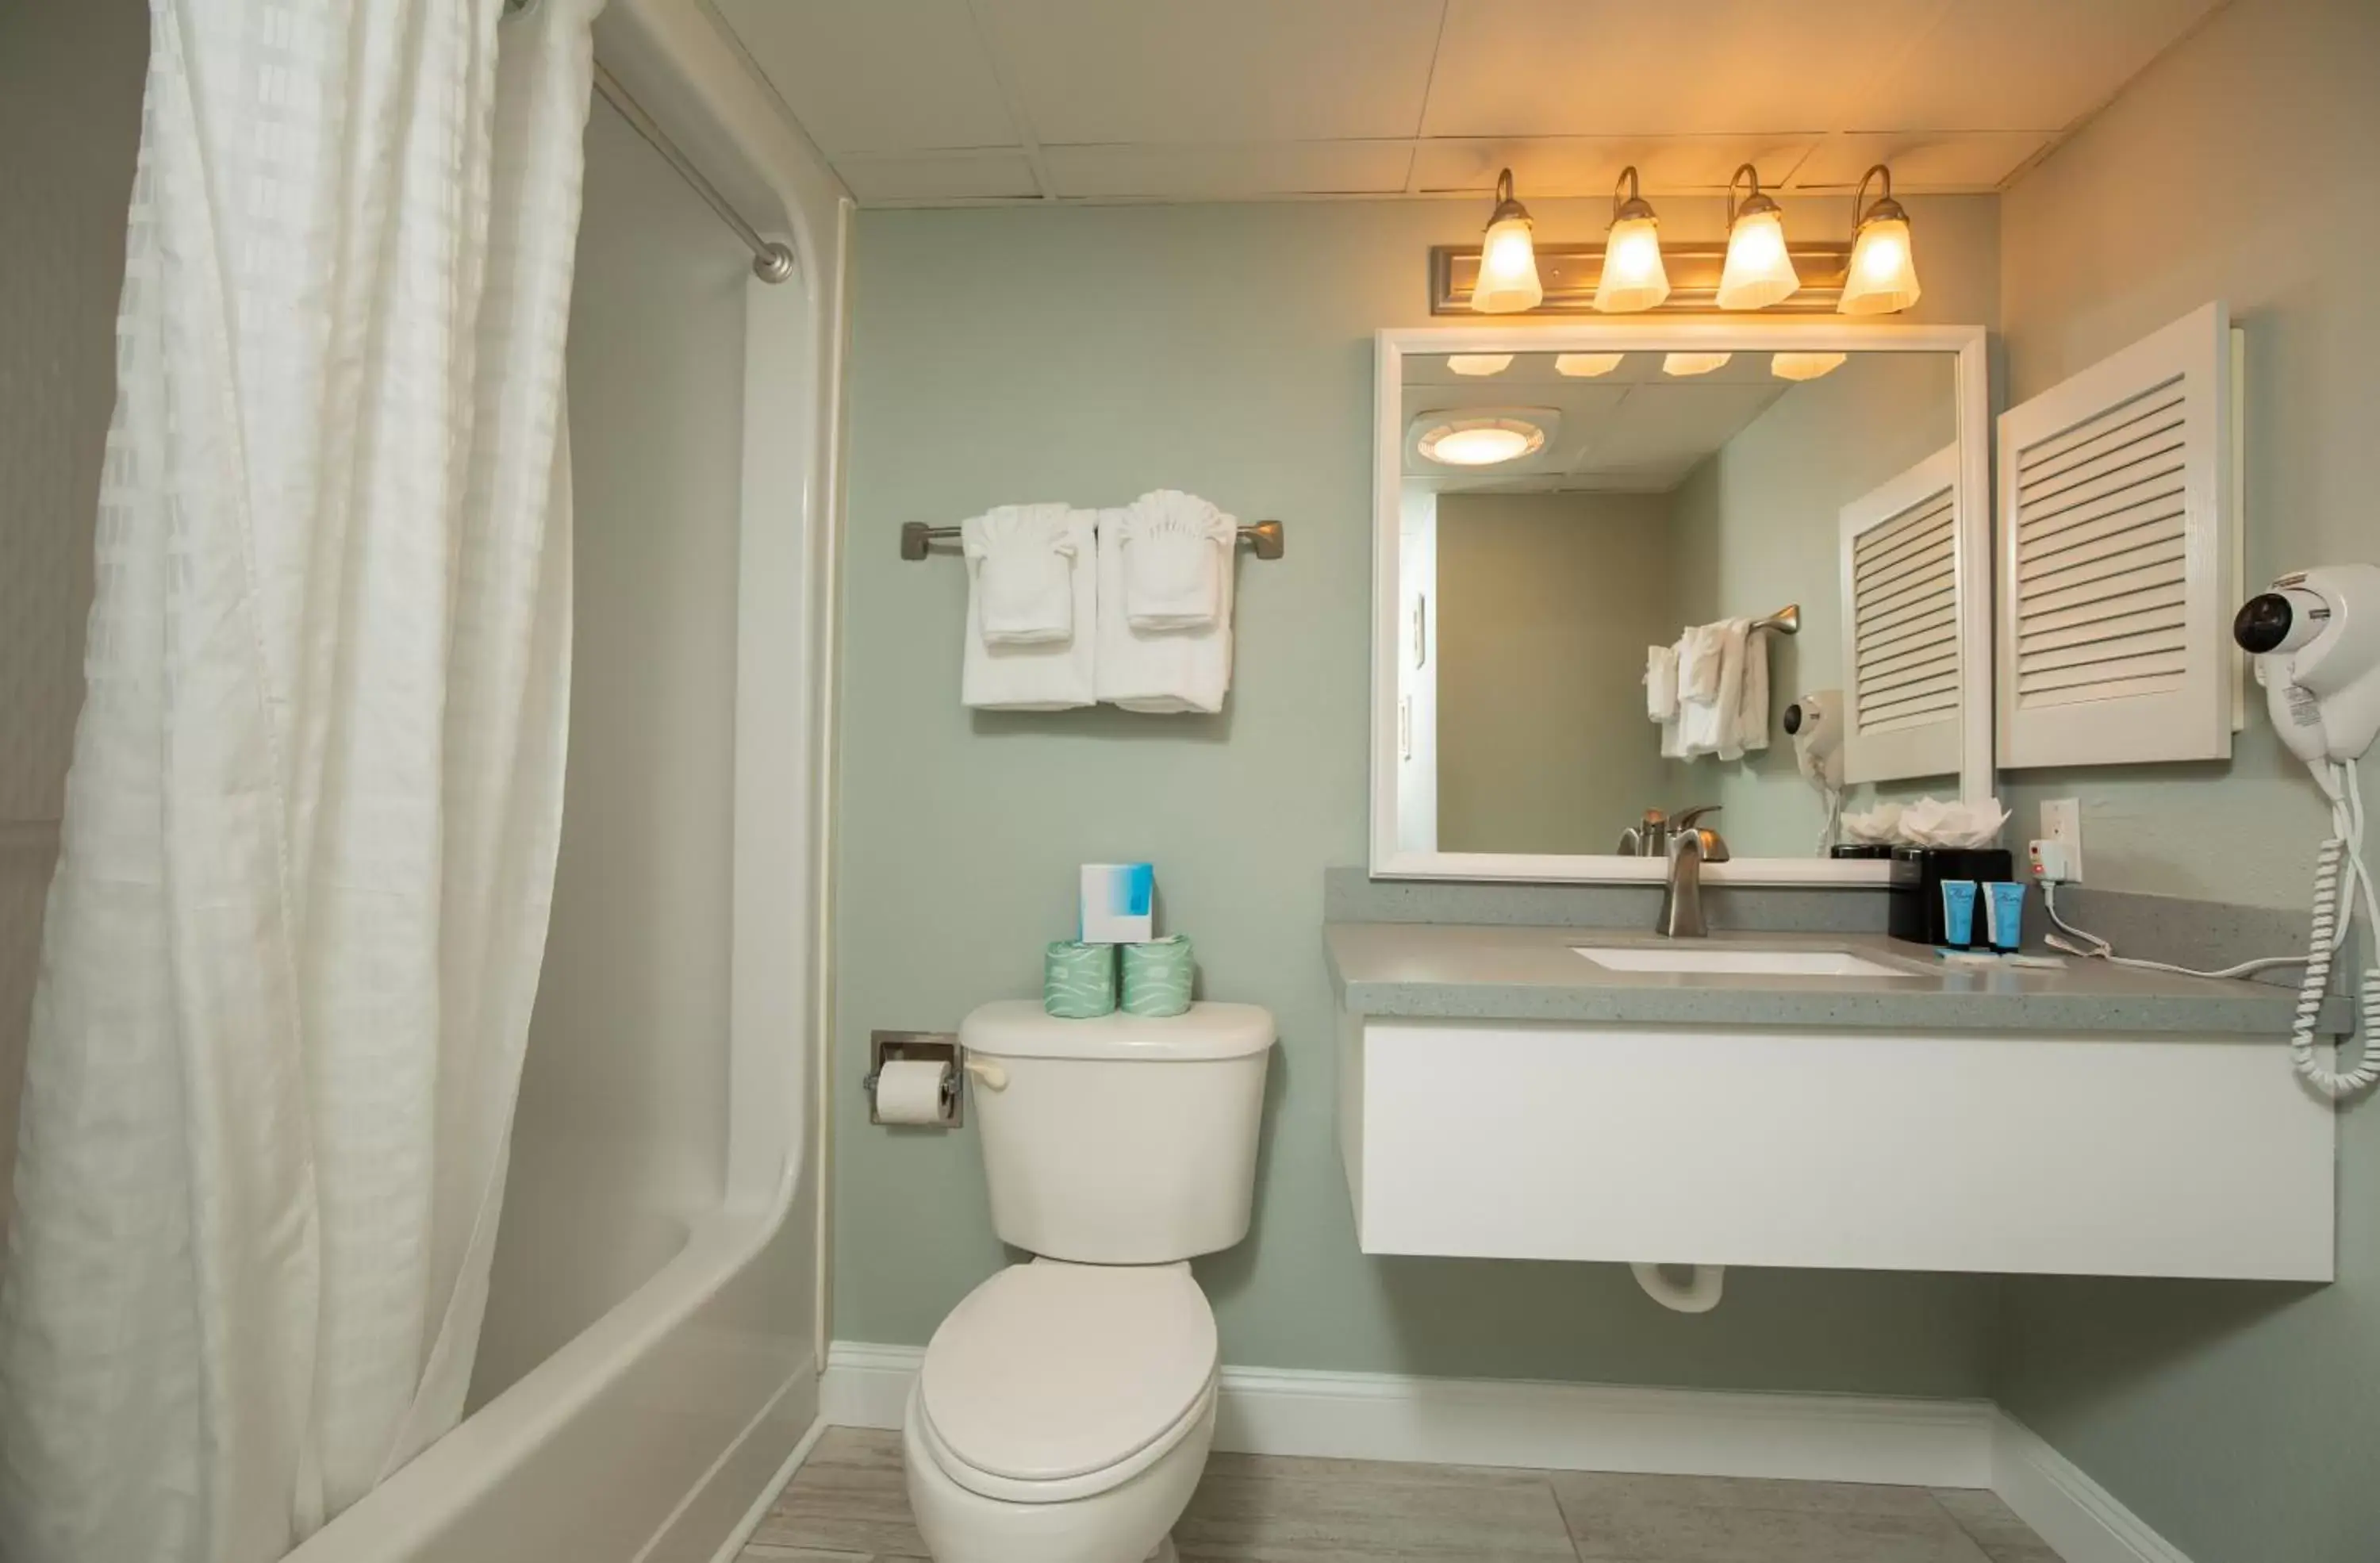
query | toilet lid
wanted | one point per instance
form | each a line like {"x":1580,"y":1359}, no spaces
{"x":1050,"y":1371}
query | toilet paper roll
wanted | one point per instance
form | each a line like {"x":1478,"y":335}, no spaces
{"x":1156,"y":976}
{"x":910,"y":1091}
{"x":1078,"y":981}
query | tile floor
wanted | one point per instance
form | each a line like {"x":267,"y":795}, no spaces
{"x":847,"y":1504}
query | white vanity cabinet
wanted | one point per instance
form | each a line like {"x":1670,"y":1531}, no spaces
{"x":2088,"y":1152}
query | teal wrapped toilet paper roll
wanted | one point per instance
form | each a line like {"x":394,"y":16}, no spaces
{"x":1156,"y":976}
{"x":1078,"y":981}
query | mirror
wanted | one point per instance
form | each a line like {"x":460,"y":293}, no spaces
{"x":1785,"y":521}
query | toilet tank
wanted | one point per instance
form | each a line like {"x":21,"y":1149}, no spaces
{"x":1125,"y":1140}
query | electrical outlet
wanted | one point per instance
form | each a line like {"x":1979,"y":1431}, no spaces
{"x":2062,"y":821}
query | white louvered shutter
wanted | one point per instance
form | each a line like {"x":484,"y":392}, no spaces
{"x":1904,"y":681}
{"x":2115,"y":542}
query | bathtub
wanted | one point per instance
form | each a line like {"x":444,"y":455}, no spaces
{"x":655,"y":1431}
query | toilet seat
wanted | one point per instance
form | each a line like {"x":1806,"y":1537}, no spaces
{"x":1053,"y":1382}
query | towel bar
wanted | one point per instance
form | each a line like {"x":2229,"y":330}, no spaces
{"x":1785,"y":621}
{"x":916,"y":536}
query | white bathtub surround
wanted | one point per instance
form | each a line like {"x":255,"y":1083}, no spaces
{"x":1177,"y":548}
{"x":1159,"y":670}
{"x":1047,"y":674}
{"x":1023,"y":562}
{"x":310,"y":828}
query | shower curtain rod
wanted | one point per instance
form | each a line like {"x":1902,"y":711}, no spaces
{"x":771,"y":262}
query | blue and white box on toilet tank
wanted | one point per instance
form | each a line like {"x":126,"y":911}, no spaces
{"x":1119,"y":903}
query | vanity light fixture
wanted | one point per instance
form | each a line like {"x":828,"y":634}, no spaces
{"x":1508,"y":258}
{"x":1586,"y":366}
{"x":1633,"y":277}
{"x":1883,"y":276}
{"x":1758,"y":271}
{"x":1693,"y":363}
{"x":1481,"y":441}
{"x":1804,"y":366}
{"x":1479,"y":363}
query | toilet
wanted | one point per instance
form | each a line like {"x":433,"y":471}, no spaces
{"x":1066,"y":1407}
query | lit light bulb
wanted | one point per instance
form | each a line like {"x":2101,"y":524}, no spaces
{"x":1508,"y":258}
{"x":1883,"y":277}
{"x":1586,"y":366}
{"x":1758,"y":271}
{"x":1804,"y":366}
{"x":1479,"y":363}
{"x":1633,"y":277}
{"x":1482,"y":442}
{"x":1693,"y":363}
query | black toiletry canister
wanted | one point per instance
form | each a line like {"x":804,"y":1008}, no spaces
{"x":1860,"y":850}
{"x":1915,"y":912}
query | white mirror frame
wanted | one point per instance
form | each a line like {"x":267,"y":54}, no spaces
{"x":1750,"y":336}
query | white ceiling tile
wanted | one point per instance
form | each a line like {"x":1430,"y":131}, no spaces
{"x":883,"y":76}
{"x":897,"y":180}
{"x":1229,"y":173}
{"x":1593,"y":67}
{"x":1590,"y":165}
{"x":1219,"y":70}
{"x":1921,"y":161}
{"x":2021,"y":65}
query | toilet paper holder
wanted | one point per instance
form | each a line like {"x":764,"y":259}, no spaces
{"x":919,"y":1046}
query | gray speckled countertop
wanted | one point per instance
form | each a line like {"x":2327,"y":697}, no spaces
{"x":1479,"y":972}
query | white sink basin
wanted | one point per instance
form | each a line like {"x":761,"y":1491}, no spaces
{"x":1728,"y":960}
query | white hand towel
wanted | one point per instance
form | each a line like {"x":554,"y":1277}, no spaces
{"x":1661,"y":682}
{"x":1020,"y":569}
{"x":1163,"y":670}
{"x":1698,"y":663}
{"x":1751,"y":710}
{"x":1177,"y":551}
{"x":1713,"y":725}
{"x":1050,"y":675}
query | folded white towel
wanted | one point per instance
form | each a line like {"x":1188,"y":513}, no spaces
{"x":1186,"y":670}
{"x":1661,"y":682}
{"x":1047,"y":675}
{"x":1177,"y":552}
{"x":1751,"y":706}
{"x":1699,"y":662}
{"x":1020,"y":568}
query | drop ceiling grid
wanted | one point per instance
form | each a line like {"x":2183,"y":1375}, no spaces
{"x":929,"y":103}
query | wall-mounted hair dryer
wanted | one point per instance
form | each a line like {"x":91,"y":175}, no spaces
{"x":1815,"y":723}
{"x":2316,"y":635}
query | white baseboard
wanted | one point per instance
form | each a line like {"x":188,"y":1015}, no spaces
{"x":1554,"y":1427}
{"x":1549,"y":1426}
{"x":2081,"y":1520}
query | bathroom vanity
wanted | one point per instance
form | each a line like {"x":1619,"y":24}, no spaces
{"x":1502,"y":1096}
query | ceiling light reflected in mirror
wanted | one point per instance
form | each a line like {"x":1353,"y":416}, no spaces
{"x":1476,"y":364}
{"x":1481,"y":441}
{"x":1586,"y":366}
{"x":1804,"y":366}
{"x":1684,"y":364}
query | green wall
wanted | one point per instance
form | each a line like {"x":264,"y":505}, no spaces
{"x":2239,"y":1420}
{"x":1087,"y":354}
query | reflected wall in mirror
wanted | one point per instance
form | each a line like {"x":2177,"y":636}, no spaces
{"x":1574,"y":531}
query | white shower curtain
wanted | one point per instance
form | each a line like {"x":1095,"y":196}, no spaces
{"x":310,"y":826}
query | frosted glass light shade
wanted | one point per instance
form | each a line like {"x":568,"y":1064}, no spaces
{"x":1481,"y":441}
{"x":1693,"y":363}
{"x":1804,"y":366}
{"x":1508,"y":269}
{"x":1883,"y":278}
{"x":1758,"y":271}
{"x":1633,"y":277}
{"x":1586,"y":366}
{"x":1479,"y":363}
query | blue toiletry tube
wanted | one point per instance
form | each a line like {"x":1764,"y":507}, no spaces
{"x":1959,"y":912}
{"x":2004,"y":913}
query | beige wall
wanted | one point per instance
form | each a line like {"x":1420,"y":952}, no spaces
{"x":70,"y":77}
{"x":1761,"y":521}
{"x":2239,"y":1420}
{"x":620,"y":1140}
{"x":1546,"y":604}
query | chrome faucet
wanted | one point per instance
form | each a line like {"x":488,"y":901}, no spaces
{"x":1689,"y":847}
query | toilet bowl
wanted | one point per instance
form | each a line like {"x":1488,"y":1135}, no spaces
{"x":1063,"y":1415}
{"x":1066,"y":1408}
